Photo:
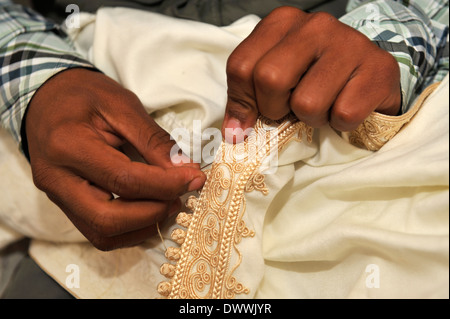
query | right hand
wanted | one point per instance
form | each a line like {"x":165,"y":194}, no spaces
{"x":310,"y":64}
{"x":74,"y":125}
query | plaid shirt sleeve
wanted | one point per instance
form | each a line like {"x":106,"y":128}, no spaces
{"x":415,"y":32}
{"x":32,"y":50}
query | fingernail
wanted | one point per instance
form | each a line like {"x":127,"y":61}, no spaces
{"x":180,"y":160}
{"x":233,"y":131}
{"x":196,"y":183}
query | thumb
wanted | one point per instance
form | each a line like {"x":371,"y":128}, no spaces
{"x":151,"y":141}
{"x":238,"y":121}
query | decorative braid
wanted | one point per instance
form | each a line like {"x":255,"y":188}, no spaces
{"x":216,"y":226}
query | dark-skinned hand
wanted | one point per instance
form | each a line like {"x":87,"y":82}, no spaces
{"x":313,"y":65}
{"x":75,"y":125}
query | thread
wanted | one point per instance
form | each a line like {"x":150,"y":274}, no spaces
{"x":160,"y":236}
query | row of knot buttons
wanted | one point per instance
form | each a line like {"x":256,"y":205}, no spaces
{"x":164,"y":288}
{"x":173,"y":253}
{"x":167,"y":270}
{"x":191,"y":202}
{"x":184,"y":219}
{"x":178,"y":235}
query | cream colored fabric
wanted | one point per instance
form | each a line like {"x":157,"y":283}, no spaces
{"x":347,"y":217}
{"x":338,"y":221}
{"x":25,"y":211}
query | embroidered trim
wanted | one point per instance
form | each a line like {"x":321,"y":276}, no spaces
{"x":209,"y":255}
{"x":378,"y":129}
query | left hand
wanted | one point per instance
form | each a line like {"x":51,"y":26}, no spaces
{"x":76,"y":124}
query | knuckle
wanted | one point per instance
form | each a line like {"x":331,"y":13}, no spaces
{"x":56,"y":144}
{"x":40,"y":176}
{"x":268,"y":76}
{"x":358,"y":42}
{"x":121,"y":96}
{"x":285,"y":12}
{"x":44,"y":178}
{"x":274,"y":113}
{"x":322,"y":19}
{"x":305,"y":106}
{"x":121,"y":183}
{"x":238,"y":67}
{"x":346,"y":119}
{"x":322,"y":27}
{"x":154,"y":139}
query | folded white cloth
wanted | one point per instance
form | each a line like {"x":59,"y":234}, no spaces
{"x":24,"y":210}
{"x":338,"y":221}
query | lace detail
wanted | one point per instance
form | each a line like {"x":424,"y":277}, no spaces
{"x":209,"y":254}
{"x":378,"y":129}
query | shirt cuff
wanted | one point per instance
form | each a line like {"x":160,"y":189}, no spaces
{"x":26,"y":99}
{"x":32,"y":50}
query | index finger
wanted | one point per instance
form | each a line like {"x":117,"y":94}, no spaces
{"x":112,"y":170}
{"x":136,"y":180}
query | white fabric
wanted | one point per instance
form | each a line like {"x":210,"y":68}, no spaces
{"x":25,"y":211}
{"x":339,"y":222}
